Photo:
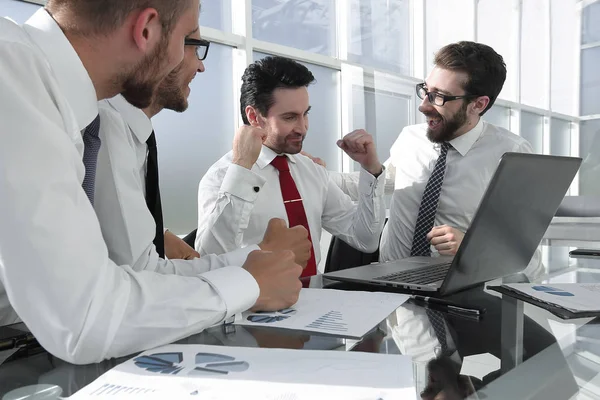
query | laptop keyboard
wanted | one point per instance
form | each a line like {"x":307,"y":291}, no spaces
{"x":421,"y":276}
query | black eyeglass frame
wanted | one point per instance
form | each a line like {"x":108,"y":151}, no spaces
{"x":201,"y":47}
{"x":432,"y":96}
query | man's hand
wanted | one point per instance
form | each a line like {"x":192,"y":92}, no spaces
{"x":278,"y":278}
{"x":176,"y":248}
{"x":279,"y":237}
{"x":359,"y":145}
{"x":446,"y":239}
{"x":316,"y":160}
{"x":247,"y":144}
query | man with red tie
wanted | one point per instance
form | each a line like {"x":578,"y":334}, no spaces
{"x":264,"y":176}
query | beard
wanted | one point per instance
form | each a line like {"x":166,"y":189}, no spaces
{"x":169,"y":94}
{"x":142,"y":81}
{"x":448,"y":127}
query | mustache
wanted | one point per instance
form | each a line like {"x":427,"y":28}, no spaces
{"x":431,"y":114}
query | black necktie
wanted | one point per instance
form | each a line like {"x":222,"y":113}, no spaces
{"x":153,"y":194}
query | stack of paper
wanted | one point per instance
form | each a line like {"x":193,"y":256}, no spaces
{"x":214,"y":372}
{"x":338,"y":312}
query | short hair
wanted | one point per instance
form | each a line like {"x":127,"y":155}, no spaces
{"x":485,"y":69}
{"x":262,"y":77}
{"x":103,"y":16}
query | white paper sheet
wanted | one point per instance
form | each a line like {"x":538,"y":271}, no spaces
{"x":345,"y":313}
{"x":217,"y":372}
{"x":572,"y":296}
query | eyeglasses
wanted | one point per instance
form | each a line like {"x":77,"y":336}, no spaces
{"x":201,"y":47}
{"x":437,"y":98}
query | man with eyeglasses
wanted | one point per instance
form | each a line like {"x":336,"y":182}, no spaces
{"x":438,"y":171}
{"x":128,"y":202}
{"x":127,"y":171}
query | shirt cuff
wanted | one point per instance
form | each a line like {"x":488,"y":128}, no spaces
{"x":371,"y":186}
{"x":242,"y":182}
{"x":238,"y":257}
{"x":237,"y":288}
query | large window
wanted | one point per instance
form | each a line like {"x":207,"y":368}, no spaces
{"x":534,"y":53}
{"x":367,"y":55}
{"x":217,"y":14}
{"x":532,"y":129}
{"x":590,"y":81}
{"x":589,"y":150}
{"x":590,"y":29}
{"x":380,"y":34}
{"x":563,"y":83}
{"x":499,"y":116}
{"x":560,"y":137}
{"x":447,"y":22}
{"x":302,"y":24}
{"x":497,"y":23}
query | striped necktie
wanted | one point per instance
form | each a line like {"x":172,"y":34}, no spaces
{"x":91,"y":143}
{"x":429,"y":204}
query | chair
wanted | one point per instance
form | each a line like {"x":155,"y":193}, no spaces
{"x":343,"y":256}
{"x":576,"y":223}
{"x":190,"y":239}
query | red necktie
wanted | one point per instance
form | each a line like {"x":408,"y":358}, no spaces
{"x":293,"y":207}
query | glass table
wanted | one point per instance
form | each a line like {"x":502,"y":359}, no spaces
{"x":514,"y":351}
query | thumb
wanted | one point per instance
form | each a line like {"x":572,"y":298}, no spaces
{"x":276,"y":223}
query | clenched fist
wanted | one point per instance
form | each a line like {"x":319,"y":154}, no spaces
{"x":247,"y":144}
{"x":279,"y":237}
{"x":445,"y":239}
{"x":278,"y":278}
{"x":360,"y":146}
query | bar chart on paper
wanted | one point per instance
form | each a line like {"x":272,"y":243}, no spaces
{"x":335,"y":312}
{"x":333,"y":321}
{"x":109,"y":389}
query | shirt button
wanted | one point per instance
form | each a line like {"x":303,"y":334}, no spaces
{"x":256,"y":189}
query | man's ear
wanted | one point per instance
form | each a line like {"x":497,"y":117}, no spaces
{"x":480,"y":104}
{"x":254,"y":117}
{"x":147,"y":29}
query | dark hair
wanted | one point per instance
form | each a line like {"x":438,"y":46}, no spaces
{"x":262,"y":77}
{"x":484,"y":67}
{"x":103,"y":16}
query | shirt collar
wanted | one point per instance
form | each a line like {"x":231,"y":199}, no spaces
{"x":465,"y":142}
{"x":267,"y":155}
{"x":70,"y":73}
{"x":138,"y":121}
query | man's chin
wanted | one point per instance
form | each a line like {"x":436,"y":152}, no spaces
{"x":439,"y":135}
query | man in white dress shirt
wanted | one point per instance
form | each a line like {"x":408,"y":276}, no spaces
{"x":463,"y":85}
{"x":265,"y":177}
{"x":55,"y":270}
{"x":128,"y":227}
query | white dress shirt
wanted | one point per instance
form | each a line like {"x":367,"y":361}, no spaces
{"x":235,"y":204}
{"x":470,"y":164}
{"x":54,"y":265}
{"x":127,"y":225}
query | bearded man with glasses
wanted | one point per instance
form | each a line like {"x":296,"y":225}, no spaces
{"x":439,"y":170}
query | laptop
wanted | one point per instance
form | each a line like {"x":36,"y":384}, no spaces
{"x":510,"y":222}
